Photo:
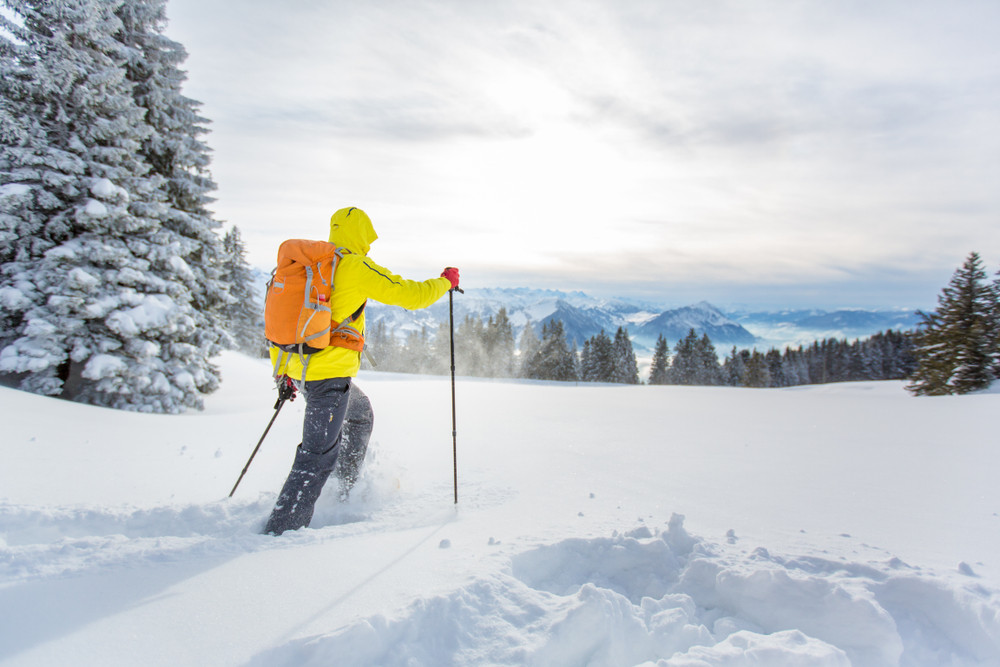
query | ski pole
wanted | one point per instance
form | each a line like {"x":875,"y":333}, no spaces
{"x":454,"y":428}
{"x":285,"y":392}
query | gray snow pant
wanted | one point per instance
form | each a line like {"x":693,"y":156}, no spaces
{"x":335,"y":433}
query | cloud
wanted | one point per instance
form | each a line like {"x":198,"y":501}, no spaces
{"x":768,"y":144}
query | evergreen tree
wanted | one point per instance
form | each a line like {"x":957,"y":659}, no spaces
{"x":527,"y":350}
{"x":573,"y":360}
{"x":383,"y":347}
{"x":99,"y":299}
{"x":470,"y":352}
{"x":734,"y":367}
{"x":708,"y":372}
{"x":499,"y":345}
{"x":174,"y":150}
{"x":625,"y":369}
{"x":757,"y":373}
{"x":425,"y":356}
{"x":600,"y":365}
{"x":686,"y":365}
{"x":795,"y":366}
{"x":244,"y":313}
{"x":91,"y":316}
{"x":955,"y":346}
{"x":586,"y":362}
{"x":995,"y":320}
{"x":898,"y":361}
{"x":661,"y":361}
{"x":554,"y":360}
{"x":775,"y":368}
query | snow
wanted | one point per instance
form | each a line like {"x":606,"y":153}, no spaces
{"x":596,"y":525}
{"x":103,"y":188}
{"x":182,"y":268}
{"x":104,"y":365}
{"x":154,"y":312}
{"x":96,"y":209}
{"x":13,"y":298}
{"x":14,"y":190}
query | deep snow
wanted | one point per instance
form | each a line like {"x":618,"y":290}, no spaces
{"x":596,"y":525}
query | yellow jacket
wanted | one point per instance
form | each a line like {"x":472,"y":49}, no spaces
{"x":357,"y":279}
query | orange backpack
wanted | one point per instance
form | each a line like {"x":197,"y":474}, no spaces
{"x":297,"y":316}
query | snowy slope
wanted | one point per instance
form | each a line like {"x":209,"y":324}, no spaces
{"x":600,"y":525}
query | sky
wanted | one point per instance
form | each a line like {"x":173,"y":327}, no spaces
{"x":778,"y":153}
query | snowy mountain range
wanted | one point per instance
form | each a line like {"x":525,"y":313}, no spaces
{"x":584,"y":316}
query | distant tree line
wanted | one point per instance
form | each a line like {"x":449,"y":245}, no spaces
{"x":489,"y":349}
{"x":884,"y":356}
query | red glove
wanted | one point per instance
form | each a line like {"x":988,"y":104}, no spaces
{"x":451,"y":273}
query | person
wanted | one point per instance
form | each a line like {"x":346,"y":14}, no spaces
{"x":338,"y":415}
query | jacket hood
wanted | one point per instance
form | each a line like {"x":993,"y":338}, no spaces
{"x":352,"y":229}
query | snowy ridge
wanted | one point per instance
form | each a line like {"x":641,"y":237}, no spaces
{"x":567,"y":546}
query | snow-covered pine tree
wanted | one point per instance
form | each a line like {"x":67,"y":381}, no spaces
{"x":661,"y":361}
{"x":385,"y":349}
{"x":995,"y":320}
{"x":423,"y":355}
{"x":709,"y":372}
{"x":560,"y":360}
{"x":600,"y":364}
{"x":776,"y":368}
{"x":244,"y":314}
{"x":573,"y":359}
{"x":35,"y":174}
{"x":686,"y":366}
{"x":794,"y":366}
{"x":734,"y":367}
{"x":527,"y":349}
{"x":470,"y":351}
{"x":586,"y":362}
{"x":625,"y":369}
{"x":955,"y":345}
{"x":756,"y":372}
{"x":174,"y":150}
{"x":499,"y":345}
{"x":100,"y":310}
{"x":553,"y":359}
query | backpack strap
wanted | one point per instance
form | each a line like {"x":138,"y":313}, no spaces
{"x":305,"y":365}
{"x":280,"y":361}
{"x":353,"y":316}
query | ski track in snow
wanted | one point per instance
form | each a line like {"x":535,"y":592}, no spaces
{"x":641,"y":595}
{"x":45,"y":542}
